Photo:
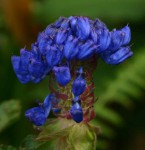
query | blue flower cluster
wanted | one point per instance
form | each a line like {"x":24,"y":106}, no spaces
{"x":73,"y":38}
{"x":66,"y":41}
{"x":38,"y":115}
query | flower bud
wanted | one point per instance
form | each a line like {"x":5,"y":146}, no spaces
{"x":62,"y":75}
{"x":104,"y":39}
{"x":117,"y":57}
{"x":47,"y":104}
{"x":36,"y":115}
{"x":94,"y":36}
{"x":83,"y":28}
{"x":86,"y":50}
{"x":58,"y":23}
{"x":44,"y":43}
{"x":65,"y":24}
{"x":98,"y":24}
{"x":70,"y":48}
{"x":76,"y":112}
{"x":21,"y":75}
{"x":78,"y":86}
{"x":61,"y":36}
{"x":120,"y":38}
{"x":37,"y":70}
{"x":53,"y":56}
{"x":73,"y":23}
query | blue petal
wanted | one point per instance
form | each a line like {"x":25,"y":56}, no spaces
{"x":104,"y":39}
{"x":44,"y":43}
{"x":120,"y":38}
{"x":23,"y":78}
{"x":53,"y":56}
{"x":73,"y":23}
{"x":36,"y":115}
{"x":78,"y":86}
{"x":94,"y":35}
{"x":16,"y":63}
{"x":83,"y":28}
{"x":86,"y":50}
{"x":117,"y":57}
{"x":65,"y":24}
{"x":20,"y":73}
{"x":62,"y":75}
{"x":59,"y":22}
{"x":70,"y":48}
{"x":61,"y":36}
{"x":47,"y":104}
{"x":76,"y":112}
{"x":38,"y":71}
{"x":25,"y":59}
{"x":49,"y":31}
{"x":98,"y":24}
{"x":126,"y":33}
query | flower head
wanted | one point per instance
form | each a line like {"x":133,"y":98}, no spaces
{"x":63,"y":47}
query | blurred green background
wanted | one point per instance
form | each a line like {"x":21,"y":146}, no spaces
{"x":121,"y":105}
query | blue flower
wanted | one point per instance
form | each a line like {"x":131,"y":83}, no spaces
{"x":58,"y":22}
{"x":38,"y":115}
{"x":117,"y":57}
{"x":83,"y":28}
{"x":28,"y":67}
{"x":71,"y":48}
{"x":86,"y":50}
{"x":62,"y":75}
{"x":76,"y":112}
{"x":94,"y":36}
{"x":61,"y":36}
{"x":98,"y":24}
{"x":79,"y":85}
{"x":53,"y":56}
{"x":44,"y":43}
{"x":47,"y":104}
{"x":73,"y":23}
{"x":104,"y":39}
{"x":120,"y":38}
{"x":67,"y":40}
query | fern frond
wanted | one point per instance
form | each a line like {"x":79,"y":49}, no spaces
{"x":128,"y":85}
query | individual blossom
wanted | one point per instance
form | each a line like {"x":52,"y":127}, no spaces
{"x":62,"y":75}
{"x":77,"y":112}
{"x":79,"y":84}
{"x":38,"y":115}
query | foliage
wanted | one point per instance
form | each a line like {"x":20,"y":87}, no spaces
{"x":9,"y":113}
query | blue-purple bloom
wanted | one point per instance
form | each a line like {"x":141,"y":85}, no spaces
{"x":76,"y":112}
{"x":79,"y":84}
{"x":65,"y":42}
{"x":67,"y":39}
{"x":62,"y":75}
{"x":38,"y":115}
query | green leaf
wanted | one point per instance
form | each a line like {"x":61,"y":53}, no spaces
{"x":7,"y":148}
{"x":9,"y":113}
